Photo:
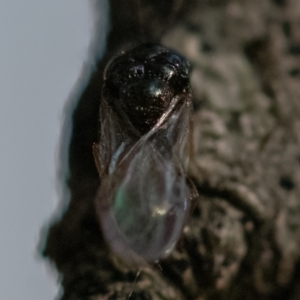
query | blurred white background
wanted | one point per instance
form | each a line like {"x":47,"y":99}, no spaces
{"x":43,"y":45}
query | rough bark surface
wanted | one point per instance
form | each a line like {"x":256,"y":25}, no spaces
{"x":243,"y":238}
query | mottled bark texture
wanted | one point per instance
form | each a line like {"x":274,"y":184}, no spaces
{"x":243,"y":237}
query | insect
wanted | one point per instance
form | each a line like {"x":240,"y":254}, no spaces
{"x":145,"y":114}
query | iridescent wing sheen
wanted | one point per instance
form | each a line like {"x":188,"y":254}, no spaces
{"x":143,"y":200}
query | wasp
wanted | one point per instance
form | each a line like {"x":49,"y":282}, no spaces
{"x":145,"y":117}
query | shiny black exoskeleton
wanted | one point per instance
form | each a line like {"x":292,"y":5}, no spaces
{"x":143,"y":81}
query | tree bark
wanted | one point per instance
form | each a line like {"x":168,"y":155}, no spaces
{"x":243,"y":237}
